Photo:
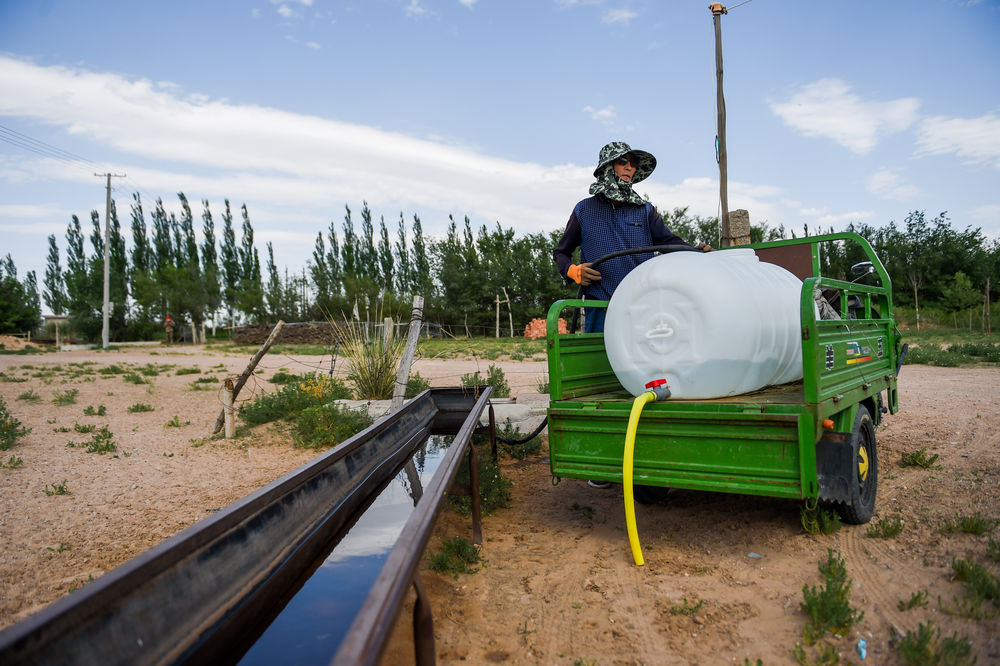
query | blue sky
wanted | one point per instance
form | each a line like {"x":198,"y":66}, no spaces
{"x":838,"y":112}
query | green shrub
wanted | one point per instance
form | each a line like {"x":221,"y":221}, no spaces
{"x":102,"y":442}
{"x":926,"y":648}
{"x":457,"y":555}
{"x":56,"y":489}
{"x":975,"y":524}
{"x":283,"y":377}
{"x":829,"y":607}
{"x":10,"y":428}
{"x":324,"y":426}
{"x":113,"y":369}
{"x":494,"y":377}
{"x":140,"y":407}
{"x":416,"y":385}
{"x":311,"y":390}
{"x":90,"y":411}
{"x":134,"y":378}
{"x":916,"y":600}
{"x":494,"y":488}
{"x":188,"y":371}
{"x":13,"y":463}
{"x":373,"y":361}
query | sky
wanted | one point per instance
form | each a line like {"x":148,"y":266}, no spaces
{"x":837,"y":112}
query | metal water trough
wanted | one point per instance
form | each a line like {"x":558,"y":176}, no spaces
{"x":204,"y":595}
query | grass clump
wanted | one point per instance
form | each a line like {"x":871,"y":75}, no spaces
{"x":309,"y":390}
{"x":374,"y":359}
{"x":516,"y":451}
{"x":30,"y":396}
{"x":457,"y":556}
{"x":925,"y":647}
{"x":993,"y":550}
{"x":974,"y":524}
{"x":134,"y":378}
{"x":102,"y":441}
{"x":324,"y":426}
{"x":686,"y":608}
{"x":494,"y":377}
{"x":829,"y":606}
{"x":283,"y":377}
{"x":56,"y":489}
{"x":90,"y":410}
{"x":63,"y":398}
{"x":10,"y":428}
{"x":175,"y":422}
{"x":140,"y":407}
{"x":885,"y":528}
{"x":918,"y":458}
{"x":916,"y":600}
{"x":113,"y":369}
{"x":819,"y":520}
{"x":188,"y":371}
{"x":13,"y":463}
{"x":980,"y":584}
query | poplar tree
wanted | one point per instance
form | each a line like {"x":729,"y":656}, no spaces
{"x":19,"y":306}
{"x":385,"y":260}
{"x":117,"y":276}
{"x":144,"y":290}
{"x":209,"y":262}
{"x":273,"y":293}
{"x":404,"y":278}
{"x":422,"y":278}
{"x":55,"y":286}
{"x":230,"y":264}
{"x":251,"y":296}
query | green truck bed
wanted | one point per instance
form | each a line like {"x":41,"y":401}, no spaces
{"x":799,"y":440}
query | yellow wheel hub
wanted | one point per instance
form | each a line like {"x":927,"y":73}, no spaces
{"x":863,"y":464}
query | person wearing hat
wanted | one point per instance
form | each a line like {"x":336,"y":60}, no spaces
{"x":614,"y":218}
{"x":168,"y":327}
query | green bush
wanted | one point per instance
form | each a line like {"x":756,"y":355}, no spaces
{"x":324,"y":426}
{"x":494,"y":377}
{"x":140,"y":407}
{"x":416,"y":385}
{"x":494,"y":488}
{"x":829,"y":607}
{"x":457,"y":555}
{"x":67,"y":397}
{"x":926,"y":648}
{"x":819,"y":520}
{"x":310,"y":390}
{"x":10,"y":428}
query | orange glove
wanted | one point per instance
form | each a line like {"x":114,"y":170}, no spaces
{"x":583,"y":274}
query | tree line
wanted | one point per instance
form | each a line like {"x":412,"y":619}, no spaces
{"x":373,"y":268}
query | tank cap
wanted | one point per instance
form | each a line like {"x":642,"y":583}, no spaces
{"x":655,"y":383}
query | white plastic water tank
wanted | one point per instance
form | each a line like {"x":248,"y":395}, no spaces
{"x":712,"y":324}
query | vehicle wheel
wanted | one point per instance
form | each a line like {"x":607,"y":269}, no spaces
{"x":649,"y":494}
{"x":864,"y":486}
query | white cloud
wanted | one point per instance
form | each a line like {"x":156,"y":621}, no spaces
{"x":975,"y":139}
{"x":887,"y":184}
{"x":625,"y":16}
{"x":828,"y":109}
{"x":607,"y":115}
{"x":467,"y":3}
{"x":989,"y":214}
{"x":285,"y":11}
{"x":313,"y":45}
{"x":415,"y":9}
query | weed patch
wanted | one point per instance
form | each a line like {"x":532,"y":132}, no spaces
{"x":974,"y":524}
{"x":10,"y":428}
{"x":187,"y":371}
{"x":819,"y":520}
{"x":416,"y":385}
{"x":494,"y":488}
{"x":686,"y":608}
{"x":134,"y":378}
{"x":457,"y":556}
{"x":56,"y":489}
{"x":516,"y":451}
{"x":90,"y":410}
{"x":494,"y":377}
{"x":885,"y":528}
{"x":310,"y":390}
{"x":140,"y":407}
{"x":63,"y":398}
{"x":13,"y":463}
{"x":175,"y":423}
{"x":916,"y":600}
{"x":30,"y":396}
{"x":102,"y":441}
{"x":918,"y":458}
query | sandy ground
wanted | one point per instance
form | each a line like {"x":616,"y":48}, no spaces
{"x":557,"y":583}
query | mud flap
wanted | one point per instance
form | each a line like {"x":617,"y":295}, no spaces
{"x":835,"y":466}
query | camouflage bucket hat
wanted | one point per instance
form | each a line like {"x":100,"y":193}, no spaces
{"x":616,"y":149}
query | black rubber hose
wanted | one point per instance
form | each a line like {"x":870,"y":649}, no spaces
{"x":672,"y":247}
{"x":534,"y":434}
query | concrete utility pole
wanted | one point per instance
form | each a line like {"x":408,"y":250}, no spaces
{"x":105,"y":331}
{"x":718,"y":9}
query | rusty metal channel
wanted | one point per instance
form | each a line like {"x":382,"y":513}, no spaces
{"x":204,"y":595}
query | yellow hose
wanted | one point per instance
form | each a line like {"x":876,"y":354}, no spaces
{"x":627,"y":464}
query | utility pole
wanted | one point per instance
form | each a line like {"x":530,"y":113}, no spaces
{"x":105,"y":330}
{"x":718,"y":9}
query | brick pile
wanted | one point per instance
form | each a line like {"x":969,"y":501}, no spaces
{"x":536,"y":328}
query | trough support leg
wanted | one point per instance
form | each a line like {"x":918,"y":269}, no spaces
{"x":477,"y":518}
{"x":493,"y":434}
{"x":423,"y":625}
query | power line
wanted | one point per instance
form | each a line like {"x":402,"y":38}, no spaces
{"x":42,"y":149}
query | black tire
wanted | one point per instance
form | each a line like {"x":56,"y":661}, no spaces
{"x":649,"y":494}
{"x":864,"y":484}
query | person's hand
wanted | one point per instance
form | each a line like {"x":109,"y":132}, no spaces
{"x":583,"y":274}
{"x":588,"y":274}
{"x":705,"y":247}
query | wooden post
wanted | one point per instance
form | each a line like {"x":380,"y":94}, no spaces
{"x":718,"y":9}
{"x":246,"y":373}
{"x":510,"y":315}
{"x":412,"y":337}
{"x":227,"y":409}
